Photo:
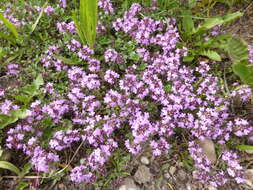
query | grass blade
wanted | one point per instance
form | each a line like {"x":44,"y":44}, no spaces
{"x":244,"y":147}
{"x":39,"y":17}
{"x":78,"y":28}
{"x":88,"y":20}
{"x":9,"y":25}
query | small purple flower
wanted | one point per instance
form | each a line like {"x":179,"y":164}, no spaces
{"x":111,"y":76}
{"x":111,"y":55}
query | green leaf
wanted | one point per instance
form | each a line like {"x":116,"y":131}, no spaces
{"x":211,"y":55}
{"x":9,"y":166}
{"x":9,"y":25}
{"x":14,"y":116}
{"x":142,"y":67}
{"x":188,"y":24}
{"x":243,"y":70}
{"x":78,"y":28}
{"x":2,"y":53}
{"x":230,"y":17}
{"x":211,"y":22}
{"x":134,"y":56}
{"x":31,"y":90}
{"x":8,"y":37}
{"x":22,"y":185}
{"x":26,"y":169}
{"x":168,"y":88}
{"x":217,"y":42}
{"x":192,"y":3}
{"x":188,"y":58}
{"x":88,"y":20}
{"x":66,"y":60}
{"x":237,"y":49}
{"x":244,"y":147}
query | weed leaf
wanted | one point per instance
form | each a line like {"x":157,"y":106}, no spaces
{"x":9,"y":166}
{"x":211,"y":55}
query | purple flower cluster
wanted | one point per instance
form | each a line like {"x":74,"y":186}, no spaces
{"x":48,"y":10}
{"x":7,"y":106}
{"x":234,"y":169}
{"x":7,"y":14}
{"x":12,"y":69}
{"x":50,"y":61}
{"x":63,"y":3}
{"x":241,"y":127}
{"x":56,"y":109}
{"x":64,"y":27}
{"x":244,"y":93}
{"x":111,"y":55}
{"x":40,"y":159}
{"x":204,"y":172}
{"x":151,"y":103}
{"x":111,"y":76}
{"x":106,"y":5}
{"x":64,"y":139}
{"x":2,"y":92}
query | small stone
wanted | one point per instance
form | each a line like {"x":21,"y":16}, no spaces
{"x":188,"y":186}
{"x":207,"y":146}
{"x":167,"y":176}
{"x":128,"y":184}
{"x":211,"y":188}
{"x":123,"y":187}
{"x":144,"y":160}
{"x":182,"y":176}
{"x":61,"y":186}
{"x":249,"y":174}
{"x":249,"y":151}
{"x":142,"y":175}
{"x":172,"y":170}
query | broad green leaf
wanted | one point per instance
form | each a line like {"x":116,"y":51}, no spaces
{"x":208,"y":24}
{"x":237,"y":49}
{"x":211,"y":22}
{"x":211,"y":55}
{"x":9,"y":166}
{"x":217,"y":42}
{"x":15,"y":115}
{"x":243,"y":70}
{"x":187,"y":22}
{"x":9,"y":25}
{"x":39,"y":17}
{"x":244,"y":147}
{"x":20,"y":113}
{"x":230,"y":17}
{"x":188,"y":58}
